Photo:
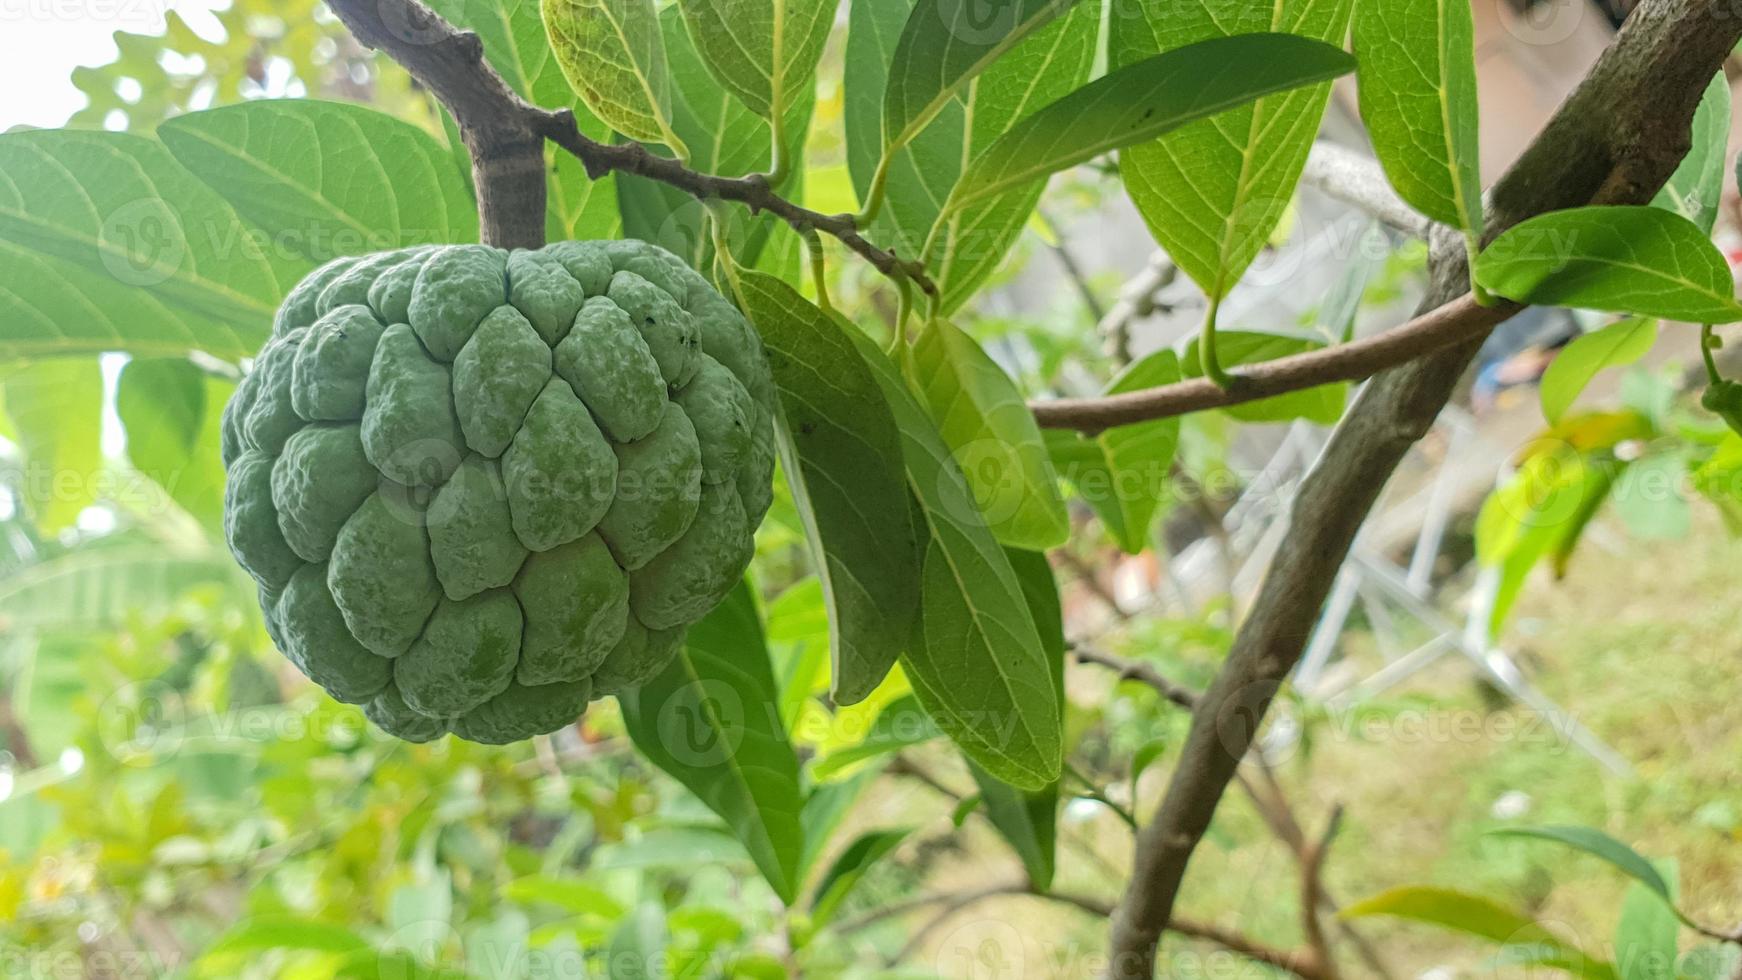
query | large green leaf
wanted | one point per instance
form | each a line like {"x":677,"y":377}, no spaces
{"x":1481,"y":917}
{"x":1213,"y":192}
{"x":324,"y":179}
{"x":1695,"y":188}
{"x":1142,"y":101}
{"x":170,"y":411}
{"x":56,"y":409}
{"x":1323,"y":404}
{"x":1646,"y":935}
{"x":763,"y":51}
{"x":976,"y":661}
{"x":841,"y":452}
{"x":580,"y":208}
{"x":873,"y":30}
{"x":612,"y":54}
{"x":1616,"y":345}
{"x":256,"y":935}
{"x":943,"y":46}
{"x":992,"y":437}
{"x":1028,"y":819}
{"x":516,"y":44}
{"x":855,"y":860}
{"x":708,"y":722}
{"x":1418,"y":98}
{"x":724,"y":137}
{"x":963,"y":249}
{"x":1538,"y":513}
{"x":1123,"y":474}
{"x":1640,"y":260}
{"x":93,"y":224}
{"x":1598,"y":844}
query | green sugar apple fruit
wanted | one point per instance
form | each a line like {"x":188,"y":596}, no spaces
{"x":480,"y":488}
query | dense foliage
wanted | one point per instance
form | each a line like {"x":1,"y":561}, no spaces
{"x":473,"y":490}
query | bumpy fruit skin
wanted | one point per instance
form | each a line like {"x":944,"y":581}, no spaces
{"x":479,"y":489}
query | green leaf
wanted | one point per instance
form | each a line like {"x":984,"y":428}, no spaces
{"x":1646,"y":937}
{"x":1619,"y":344}
{"x":992,"y":436}
{"x":901,"y":724}
{"x":1697,"y":185}
{"x":115,"y":247}
{"x":855,"y":860}
{"x":873,"y":30}
{"x":1212,"y":192}
{"x":612,"y":54}
{"x":707,"y":721}
{"x":825,"y":808}
{"x":1538,"y":513}
{"x":1719,"y":479}
{"x":726,"y":138}
{"x":1145,"y":756}
{"x":964,"y":247}
{"x":1598,"y":844}
{"x":56,"y":410}
{"x":637,"y":949}
{"x":1323,"y":405}
{"x":1418,"y":99}
{"x":1142,"y":101}
{"x":1648,"y":497}
{"x":1640,"y":260}
{"x":516,"y":45}
{"x":569,"y":894}
{"x":285,"y":932}
{"x":1028,"y":819}
{"x":580,"y":208}
{"x":841,"y":452}
{"x":976,"y":661}
{"x":1124,"y":474}
{"x":1481,"y":917}
{"x":171,"y":412}
{"x":763,"y":51}
{"x":943,"y":46}
{"x":324,"y":179}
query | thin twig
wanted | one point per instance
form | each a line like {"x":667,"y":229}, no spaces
{"x":1301,"y":963}
{"x":1061,"y":250}
{"x":1312,"y":893}
{"x":903,"y":765}
{"x":1355,"y":178}
{"x":1459,"y":321}
{"x":1135,"y":670}
{"x":1138,"y":298}
{"x":505,"y":135}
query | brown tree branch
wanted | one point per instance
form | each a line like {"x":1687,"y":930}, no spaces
{"x":505,"y":136}
{"x":1458,"y":321}
{"x":1616,"y":140}
{"x":1134,"y":670}
{"x":1300,"y":962}
{"x":506,"y":148}
{"x":1355,"y":178}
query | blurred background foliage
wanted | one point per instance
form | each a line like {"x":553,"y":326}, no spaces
{"x":177,"y":801}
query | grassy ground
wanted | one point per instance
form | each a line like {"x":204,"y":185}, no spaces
{"x":1642,"y":641}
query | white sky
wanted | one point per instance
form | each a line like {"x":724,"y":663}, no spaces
{"x":41,"y":41}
